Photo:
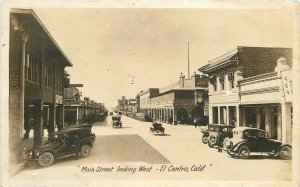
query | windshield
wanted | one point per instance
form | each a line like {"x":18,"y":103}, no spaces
{"x":56,"y":138}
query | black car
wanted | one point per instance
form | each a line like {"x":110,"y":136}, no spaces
{"x":157,"y":128}
{"x":116,"y":121}
{"x":246,"y":140}
{"x":215,"y":134}
{"x":62,"y":143}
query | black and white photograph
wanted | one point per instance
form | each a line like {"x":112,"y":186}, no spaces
{"x":150,"y":93}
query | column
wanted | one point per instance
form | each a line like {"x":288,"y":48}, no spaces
{"x":286,"y":123}
{"x":267,"y":120}
{"x":238,"y":119}
{"x":52,"y":118}
{"x":244,"y":117}
{"x":77,"y":116}
{"x":38,"y":127}
{"x":258,"y":118}
{"x":210,"y":114}
{"x":219,"y":114}
{"x":227,"y":115}
{"x":24,"y":39}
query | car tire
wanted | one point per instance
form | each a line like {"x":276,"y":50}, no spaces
{"x":243,"y":152}
{"x":204,"y":139}
{"x":210,"y":145}
{"x":285,"y":153}
{"x":232,"y":154}
{"x":46,"y":159}
{"x":85,"y":151}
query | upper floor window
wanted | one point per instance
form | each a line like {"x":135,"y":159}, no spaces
{"x":47,"y":76}
{"x":31,"y":72}
{"x":222,"y":83}
{"x":213,"y":81}
{"x":231,"y":79}
{"x":59,"y":80}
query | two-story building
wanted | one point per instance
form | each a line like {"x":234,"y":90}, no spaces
{"x":246,"y":89}
{"x":36,"y":81}
{"x":180,"y":102}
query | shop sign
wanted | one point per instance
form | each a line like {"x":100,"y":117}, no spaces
{"x":206,"y":109}
{"x":58,"y":99}
{"x":287,"y":84}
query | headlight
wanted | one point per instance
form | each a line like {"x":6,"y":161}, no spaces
{"x":30,"y":153}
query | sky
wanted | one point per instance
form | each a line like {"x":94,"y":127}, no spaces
{"x":111,"y":48}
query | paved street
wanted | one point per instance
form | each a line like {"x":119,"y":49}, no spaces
{"x":133,"y":146}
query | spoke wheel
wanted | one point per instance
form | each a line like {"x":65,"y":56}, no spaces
{"x":85,"y":151}
{"x":285,"y":153}
{"x":244,"y":152}
{"x":204,"y":139}
{"x":46,"y":159}
{"x":232,"y":154}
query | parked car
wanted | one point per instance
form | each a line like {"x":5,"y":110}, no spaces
{"x":116,"y":121}
{"x":216,"y":133}
{"x":246,"y":140}
{"x":157,"y":128}
{"x":62,"y":143}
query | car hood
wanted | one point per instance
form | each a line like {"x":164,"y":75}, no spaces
{"x":49,"y":146}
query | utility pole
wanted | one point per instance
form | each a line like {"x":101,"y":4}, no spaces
{"x":188,"y":60}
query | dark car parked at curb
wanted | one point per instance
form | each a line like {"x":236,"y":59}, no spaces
{"x":63,"y":143}
{"x":246,"y":140}
{"x":215,"y":134}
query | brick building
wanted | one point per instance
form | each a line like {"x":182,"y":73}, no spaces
{"x":245,"y":89}
{"x":180,"y":102}
{"x":36,"y":81}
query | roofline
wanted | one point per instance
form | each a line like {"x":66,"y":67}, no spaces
{"x":30,"y":11}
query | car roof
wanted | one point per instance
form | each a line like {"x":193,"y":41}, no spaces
{"x":68,"y":130}
{"x":220,"y":125}
{"x":247,"y":128}
{"x":116,"y":115}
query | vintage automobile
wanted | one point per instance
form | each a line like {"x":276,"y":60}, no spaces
{"x":63,"y":143}
{"x":246,"y":140}
{"x":157,"y":128}
{"x":216,"y":133}
{"x":116,"y":121}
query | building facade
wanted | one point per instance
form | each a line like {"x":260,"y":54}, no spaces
{"x":36,"y":81}
{"x":246,"y":89}
{"x":181,"y":102}
{"x":78,"y":111}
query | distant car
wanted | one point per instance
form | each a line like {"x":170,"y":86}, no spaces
{"x":116,"y":121}
{"x":157,"y":128}
{"x":216,"y":133}
{"x":246,"y":140}
{"x":63,"y":143}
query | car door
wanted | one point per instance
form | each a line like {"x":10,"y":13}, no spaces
{"x":263,"y":144}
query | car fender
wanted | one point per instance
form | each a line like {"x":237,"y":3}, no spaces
{"x":86,"y":142}
{"x":278,"y":149}
{"x":238,"y":145}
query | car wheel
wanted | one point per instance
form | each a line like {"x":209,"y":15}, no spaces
{"x":285,"y":153}
{"x":210,"y":144}
{"x":204,"y":139}
{"x":232,"y":154}
{"x":244,"y":152}
{"x":46,"y":159}
{"x":85,"y":151}
{"x":212,"y":140}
